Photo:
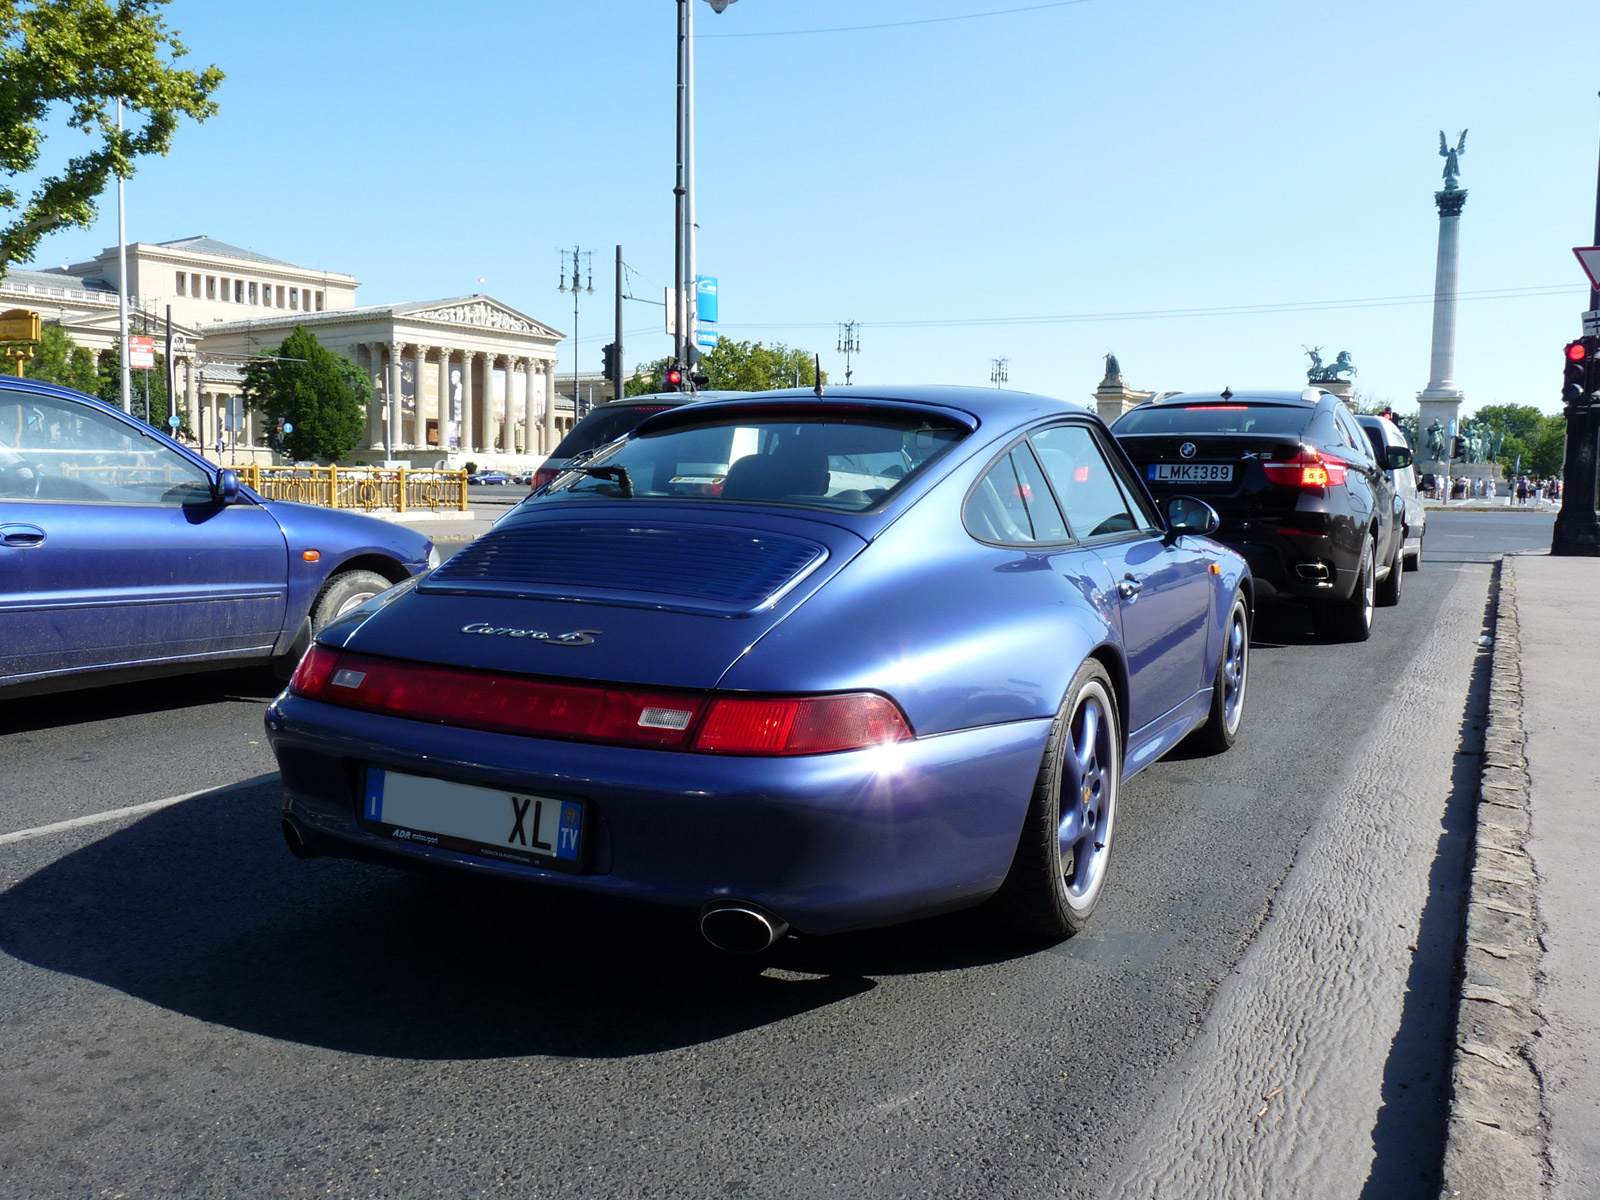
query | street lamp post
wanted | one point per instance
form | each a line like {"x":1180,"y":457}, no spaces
{"x":999,"y":370}
{"x":684,"y":316}
{"x":577,"y":256}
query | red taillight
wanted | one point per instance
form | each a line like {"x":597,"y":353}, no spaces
{"x":804,"y":725}
{"x":1308,"y":470}
{"x":595,"y":713}
{"x":316,"y":667}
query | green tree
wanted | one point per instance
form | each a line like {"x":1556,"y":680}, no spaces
{"x":69,"y":61}
{"x":59,"y":359}
{"x":322,"y":394}
{"x":1525,"y":433}
{"x":648,"y":377}
{"x":752,"y":367}
{"x":1547,"y":449}
{"x":149,"y":390}
{"x":1513,"y":420}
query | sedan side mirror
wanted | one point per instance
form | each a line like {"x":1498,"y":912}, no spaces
{"x":1399,"y":458}
{"x":1185,"y":514}
{"x":226,"y":489}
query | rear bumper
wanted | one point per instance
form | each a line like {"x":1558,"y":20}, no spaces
{"x":827,"y":842}
{"x":1308,"y":564}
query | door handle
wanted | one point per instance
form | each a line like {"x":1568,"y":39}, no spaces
{"x":1130,"y":587}
{"x":21,"y":536}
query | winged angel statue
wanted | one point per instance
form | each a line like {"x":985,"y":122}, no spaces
{"x":1452,"y":159}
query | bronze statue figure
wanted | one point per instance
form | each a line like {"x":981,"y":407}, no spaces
{"x":1452,"y":160}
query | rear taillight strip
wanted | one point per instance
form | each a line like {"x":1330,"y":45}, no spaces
{"x":1310,"y":470}
{"x":694,"y":721}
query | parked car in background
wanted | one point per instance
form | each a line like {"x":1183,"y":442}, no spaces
{"x":495,"y":478}
{"x":124,"y":555}
{"x":1298,"y":489}
{"x":900,"y":661}
{"x":609,"y":422}
{"x":1390,"y":446}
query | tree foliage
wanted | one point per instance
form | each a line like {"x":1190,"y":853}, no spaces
{"x":736,"y":367}
{"x":752,"y":367}
{"x":1536,"y":441}
{"x":59,"y":359}
{"x":323,"y":395}
{"x":75,"y":58}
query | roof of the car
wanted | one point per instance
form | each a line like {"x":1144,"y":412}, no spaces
{"x":985,"y":404}
{"x":1310,"y":395}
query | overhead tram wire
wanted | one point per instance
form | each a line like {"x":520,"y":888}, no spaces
{"x":978,"y":16}
{"x":1231,"y":310}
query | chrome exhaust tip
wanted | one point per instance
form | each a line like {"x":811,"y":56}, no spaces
{"x":299,"y":844}
{"x":740,"y":928}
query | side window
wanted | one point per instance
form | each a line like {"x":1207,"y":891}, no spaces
{"x":1095,"y":501}
{"x":1012,"y":503}
{"x":59,"y":451}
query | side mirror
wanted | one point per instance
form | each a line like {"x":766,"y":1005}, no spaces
{"x":1399,"y":458}
{"x":1185,"y":514}
{"x":226,"y":488}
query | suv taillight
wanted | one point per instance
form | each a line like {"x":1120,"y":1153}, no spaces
{"x":1309,"y":470}
{"x":543,"y":476}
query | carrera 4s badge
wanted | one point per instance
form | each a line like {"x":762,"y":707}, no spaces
{"x":578,"y":637}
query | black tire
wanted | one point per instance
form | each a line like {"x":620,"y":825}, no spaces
{"x":1388,"y":590}
{"x":1044,"y":894}
{"x":1414,"y":562}
{"x":343,"y":592}
{"x":1350,"y":620}
{"x":1227,"y":690}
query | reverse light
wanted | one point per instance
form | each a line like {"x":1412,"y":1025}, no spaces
{"x":1309,"y":470}
{"x":596,"y":713}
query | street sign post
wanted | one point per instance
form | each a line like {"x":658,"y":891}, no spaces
{"x":1591,"y":323}
{"x":142,"y":352}
{"x":1589,"y":259}
{"x":174,"y":421}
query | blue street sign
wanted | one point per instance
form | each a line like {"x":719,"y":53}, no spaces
{"x":288,"y":426}
{"x":706,"y":339}
{"x":1452,"y":429}
{"x":174,"y":422}
{"x":705,"y":292}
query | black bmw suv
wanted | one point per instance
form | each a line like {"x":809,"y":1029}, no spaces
{"x":1300,"y":495}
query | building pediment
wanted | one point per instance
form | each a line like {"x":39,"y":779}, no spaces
{"x":479,"y":311}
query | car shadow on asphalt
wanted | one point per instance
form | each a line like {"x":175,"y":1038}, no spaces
{"x":200,"y":909}
{"x":172,"y":694}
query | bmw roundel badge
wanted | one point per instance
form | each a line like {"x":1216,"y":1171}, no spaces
{"x":1187,"y":449}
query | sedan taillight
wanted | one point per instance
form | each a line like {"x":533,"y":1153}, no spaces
{"x":543,"y":476}
{"x":1309,"y":470}
{"x":620,"y":716}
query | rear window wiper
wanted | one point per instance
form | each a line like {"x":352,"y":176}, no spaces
{"x":617,"y":475}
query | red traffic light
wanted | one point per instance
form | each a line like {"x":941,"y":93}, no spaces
{"x":1577,"y":351}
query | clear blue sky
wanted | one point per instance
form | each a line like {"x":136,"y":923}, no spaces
{"x":1027,"y":180}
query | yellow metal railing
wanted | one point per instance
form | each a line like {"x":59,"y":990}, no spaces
{"x":366,"y":488}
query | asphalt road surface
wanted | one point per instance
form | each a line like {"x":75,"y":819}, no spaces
{"x":186,"y":1010}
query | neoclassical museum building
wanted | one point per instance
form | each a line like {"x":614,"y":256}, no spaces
{"x":452,"y":380}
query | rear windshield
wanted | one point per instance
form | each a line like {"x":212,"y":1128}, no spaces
{"x":1215,"y":418}
{"x":841,"y":464}
{"x":604,"y":425}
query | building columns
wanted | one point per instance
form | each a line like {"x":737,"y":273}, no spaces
{"x":419,"y":415}
{"x":396,"y":429}
{"x":549,"y":370}
{"x":446,"y":413}
{"x":375,"y":402}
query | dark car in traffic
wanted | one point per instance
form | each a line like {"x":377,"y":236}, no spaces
{"x":1297,"y":486}
{"x":898,"y":661}
{"x":609,"y":422}
{"x":125,"y":555}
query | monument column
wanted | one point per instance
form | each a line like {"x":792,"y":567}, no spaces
{"x":467,"y":424}
{"x":1440,"y":401}
{"x":446,"y":412}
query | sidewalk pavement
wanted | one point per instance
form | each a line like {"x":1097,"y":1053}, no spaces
{"x":1525,"y":1109}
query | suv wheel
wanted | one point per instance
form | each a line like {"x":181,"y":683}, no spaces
{"x":1350,"y":620}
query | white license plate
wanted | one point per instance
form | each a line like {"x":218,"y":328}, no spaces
{"x":1191,"y":472}
{"x":512,"y":826}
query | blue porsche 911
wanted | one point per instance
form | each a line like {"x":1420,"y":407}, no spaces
{"x":786,"y":661}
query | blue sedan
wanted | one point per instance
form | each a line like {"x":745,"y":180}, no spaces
{"x":786,"y":662}
{"x":123,"y":555}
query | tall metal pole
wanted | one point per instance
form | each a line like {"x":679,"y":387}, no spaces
{"x":172,"y":404}
{"x":1577,"y":527}
{"x":680,"y":321}
{"x":122,"y":283}
{"x":575,"y":413}
{"x":621,"y":371}
{"x":691,"y":284}
{"x":1594,"y":292}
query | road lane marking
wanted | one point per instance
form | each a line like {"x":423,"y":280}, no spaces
{"x":133,"y":810}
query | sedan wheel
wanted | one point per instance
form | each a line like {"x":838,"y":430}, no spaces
{"x":1227,"y":689}
{"x":1060,"y":866}
{"x":345,"y":592}
{"x":1350,"y":620}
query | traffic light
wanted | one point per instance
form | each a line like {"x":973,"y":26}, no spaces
{"x":1581,"y":372}
{"x":608,"y":354}
{"x":1458,"y":448}
{"x":674,"y":380}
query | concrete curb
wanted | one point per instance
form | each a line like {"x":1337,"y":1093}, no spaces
{"x":1496,"y":1141}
